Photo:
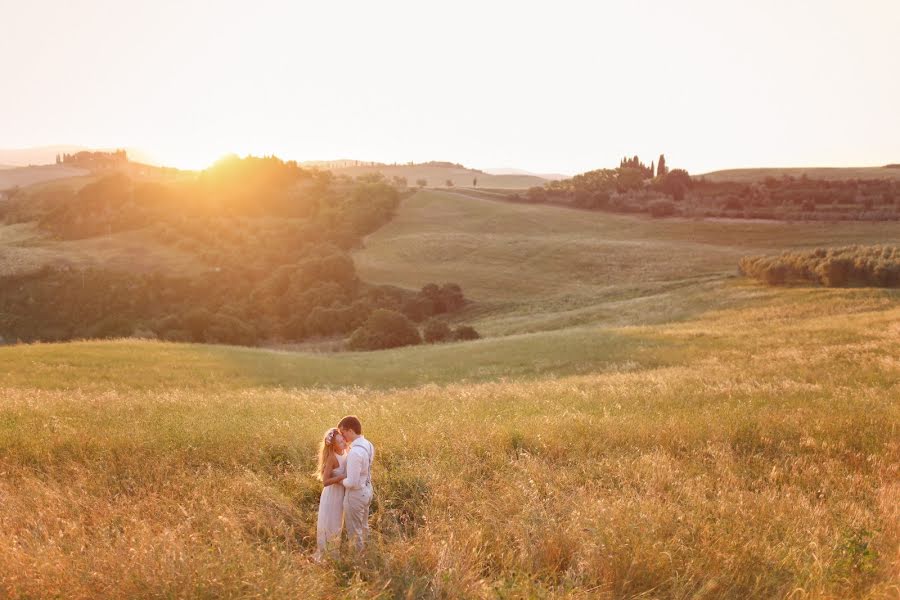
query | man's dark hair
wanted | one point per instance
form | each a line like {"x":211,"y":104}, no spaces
{"x":351,"y":422}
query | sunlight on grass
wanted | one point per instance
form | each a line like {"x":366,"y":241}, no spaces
{"x":537,"y":267}
{"x":752,"y":451}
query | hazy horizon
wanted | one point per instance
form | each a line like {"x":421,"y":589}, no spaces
{"x":560,"y":90}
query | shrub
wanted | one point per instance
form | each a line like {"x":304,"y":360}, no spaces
{"x":436,"y":331}
{"x":111,"y":327}
{"x":662,"y":208}
{"x":465,"y":333}
{"x":196,"y":322}
{"x":225,"y":329}
{"x":536,"y":194}
{"x":451,"y":296}
{"x":877,"y":266}
{"x":385,"y":329}
{"x":418,"y":308}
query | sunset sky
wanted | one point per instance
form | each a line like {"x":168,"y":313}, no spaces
{"x":545,"y":86}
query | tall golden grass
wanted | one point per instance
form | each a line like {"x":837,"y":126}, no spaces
{"x":763,"y":462}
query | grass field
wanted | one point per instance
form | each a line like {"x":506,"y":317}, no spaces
{"x":639,"y":423}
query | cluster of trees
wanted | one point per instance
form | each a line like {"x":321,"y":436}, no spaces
{"x":319,"y":296}
{"x":647,"y":172}
{"x":269,"y":243}
{"x":251,"y":188}
{"x":443,"y":164}
{"x":798,"y":198}
{"x":875,"y":266}
{"x":93,"y":160}
{"x":386,"y":328}
{"x":342,"y":164}
{"x":657,"y":190}
{"x":632,"y":187}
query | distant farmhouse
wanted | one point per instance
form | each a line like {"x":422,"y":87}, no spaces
{"x":93,"y":160}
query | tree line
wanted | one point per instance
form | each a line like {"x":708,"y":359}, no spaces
{"x":631,"y":187}
{"x":657,"y":190}
{"x":93,"y":160}
{"x":870,"y":266}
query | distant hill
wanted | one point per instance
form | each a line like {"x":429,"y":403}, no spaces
{"x":46,"y":155}
{"x":828,"y":173}
{"x":435,"y":173}
{"x":511,"y":171}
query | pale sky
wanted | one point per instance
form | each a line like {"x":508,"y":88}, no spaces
{"x":545,"y":86}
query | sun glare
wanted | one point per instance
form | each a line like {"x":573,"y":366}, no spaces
{"x":189,"y":157}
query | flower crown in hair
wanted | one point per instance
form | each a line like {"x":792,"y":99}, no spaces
{"x":329,"y":437}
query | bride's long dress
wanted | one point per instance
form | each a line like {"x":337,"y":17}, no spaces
{"x":331,"y":514}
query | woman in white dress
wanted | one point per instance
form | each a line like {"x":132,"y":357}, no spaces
{"x":331,"y":471}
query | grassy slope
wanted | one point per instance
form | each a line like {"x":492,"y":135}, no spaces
{"x":536,"y":267}
{"x":828,"y":173}
{"x":743,"y":443}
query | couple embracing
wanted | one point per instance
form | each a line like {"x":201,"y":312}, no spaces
{"x":345,"y":470}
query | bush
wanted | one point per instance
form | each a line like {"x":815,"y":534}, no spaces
{"x":662,"y":208}
{"x":436,"y":331}
{"x":876,"y":266}
{"x":225,"y":329}
{"x":196,"y":322}
{"x":418,"y":308}
{"x":112,"y":327}
{"x":464,"y":333}
{"x":452,"y":298}
{"x":446,"y":298}
{"x":385,"y":329}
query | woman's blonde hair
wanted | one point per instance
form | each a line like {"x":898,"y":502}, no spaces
{"x":326,"y":449}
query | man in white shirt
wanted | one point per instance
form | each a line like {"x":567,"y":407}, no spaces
{"x":358,"y":484}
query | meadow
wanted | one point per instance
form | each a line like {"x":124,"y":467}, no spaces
{"x":639,"y":423}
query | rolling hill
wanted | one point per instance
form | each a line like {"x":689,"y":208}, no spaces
{"x":826,"y":173}
{"x":639,"y":423}
{"x":540,"y":267}
{"x":512,"y":171}
{"x":435,"y":175}
{"x":743,"y":445}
